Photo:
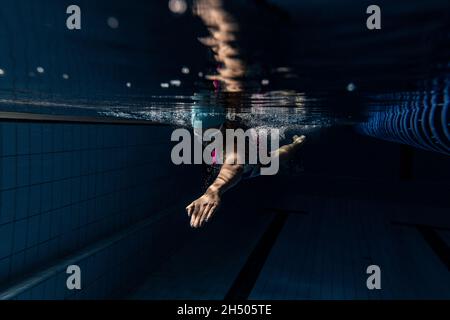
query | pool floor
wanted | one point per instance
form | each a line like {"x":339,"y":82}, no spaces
{"x":322,"y":251}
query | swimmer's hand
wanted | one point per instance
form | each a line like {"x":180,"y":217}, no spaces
{"x":298,"y":140}
{"x":202,"y":209}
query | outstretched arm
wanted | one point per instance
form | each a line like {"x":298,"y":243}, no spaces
{"x":202,"y":209}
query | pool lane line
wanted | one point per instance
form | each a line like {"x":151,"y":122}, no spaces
{"x":248,"y":275}
{"x":440,"y":248}
{"x":432,"y":239}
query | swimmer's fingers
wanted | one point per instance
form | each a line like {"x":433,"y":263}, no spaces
{"x":194,"y":214}
{"x":198,"y":216}
{"x":211,"y":211}
{"x":206,"y":212}
{"x":193,"y":218}
{"x":190,"y":208}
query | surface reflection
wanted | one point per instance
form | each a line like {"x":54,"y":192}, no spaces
{"x":223,"y":34}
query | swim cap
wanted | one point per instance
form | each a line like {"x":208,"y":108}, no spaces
{"x":207,"y":119}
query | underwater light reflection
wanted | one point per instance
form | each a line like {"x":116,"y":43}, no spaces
{"x":223,"y":31}
{"x":421,"y":121}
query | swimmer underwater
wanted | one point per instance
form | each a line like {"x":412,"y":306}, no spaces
{"x":231,"y":172}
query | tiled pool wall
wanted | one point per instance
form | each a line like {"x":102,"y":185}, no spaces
{"x":65,"y":186}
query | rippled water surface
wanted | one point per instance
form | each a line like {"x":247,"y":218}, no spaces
{"x":282,"y":64}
